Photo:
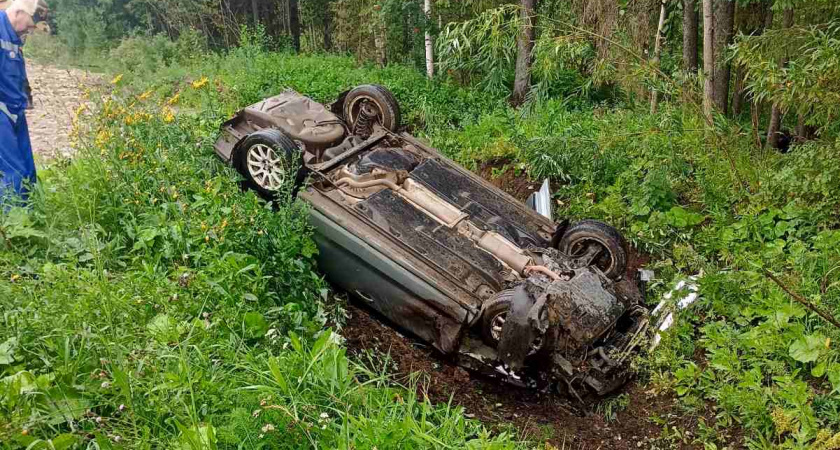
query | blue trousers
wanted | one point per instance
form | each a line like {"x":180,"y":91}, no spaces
{"x":17,"y":165}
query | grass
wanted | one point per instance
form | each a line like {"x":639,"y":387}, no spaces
{"x":149,"y":303}
{"x":127,"y":248}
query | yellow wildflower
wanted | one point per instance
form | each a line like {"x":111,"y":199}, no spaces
{"x":168,"y":115}
{"x":145,"y":95}
{"x":102,"y":137}
{"x":117,"y":79}
{"x":174,"y":99}
{"x":200,"y":83}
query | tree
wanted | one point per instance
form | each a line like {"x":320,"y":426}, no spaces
{"x":294,"y":23}
{"x":327,"y":29}
{"x":430,"y":45}
{"x":723,"y":35}
{"x":657,"y":54}
{"x":525,"y":47}
{"x":708,"y":58}
{"x":255,"y":10}
{"x":774,"y":126}
{"x":691,"y":23}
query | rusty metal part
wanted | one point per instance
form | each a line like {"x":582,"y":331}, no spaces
{"x":379,"y":134}
{"x":364,"y":122}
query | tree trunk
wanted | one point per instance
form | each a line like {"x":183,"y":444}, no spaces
{"x":255,"y":10}
{"x":738,"y":95}
{"x":691,"y":23}
{"x":430,"y":45}
{"x":724,"y":32}
{"x":657,"y":54}
{"x":776,"y":113}
{"x":758,"y":105}
{"x":708,"y":58}
{"x":525,"y":46}
{"x":327,"y":30}
{"x":379,"y":42}
{"x":801,"y":133}
{"x":294,"y":23}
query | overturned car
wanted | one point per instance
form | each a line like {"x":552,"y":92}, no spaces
{"x":439,"y":251}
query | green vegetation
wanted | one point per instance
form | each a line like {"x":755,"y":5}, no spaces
{"x":144,"y":287}
{"x":148,"y":303}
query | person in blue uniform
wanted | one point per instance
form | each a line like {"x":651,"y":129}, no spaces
{"x":17,"y":166}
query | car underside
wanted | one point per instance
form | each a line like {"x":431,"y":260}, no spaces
{"x":439,"y":251}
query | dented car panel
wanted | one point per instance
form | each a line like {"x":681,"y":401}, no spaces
{"x":442,"y":253}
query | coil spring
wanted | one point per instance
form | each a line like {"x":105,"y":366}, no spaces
{"x":364,"y":123}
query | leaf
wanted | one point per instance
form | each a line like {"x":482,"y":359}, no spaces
{"x":7,"y":350}
{"x":255,"y":325}
{"x":834,"y":377}
{"x":274,"y":365}
{"x":23,"y":382}
{"x":819,"y":370}
{"x":163,"y":328}
{"x":679,"y":217}
{"x":807,"y":349}
{"x":64,"y":441}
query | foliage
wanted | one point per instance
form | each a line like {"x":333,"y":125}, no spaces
{"x":693,"y":197}
{"x":809,"y":83}
{"x":482,"y":51}
{"x":149,"y":303}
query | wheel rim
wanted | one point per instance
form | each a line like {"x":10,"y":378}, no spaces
{"x":599,"y":254}
{"x":498,"y":323}
{"x":267,"y":169}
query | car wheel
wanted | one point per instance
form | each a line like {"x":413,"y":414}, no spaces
{"x":493,"y":317}
{"x":493,"y":320}
{"x":270,"y":161}
{"x":374,"y":100}
{"x":599,"y":243}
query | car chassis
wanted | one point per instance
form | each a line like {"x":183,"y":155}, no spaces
{"x":441,"y":252}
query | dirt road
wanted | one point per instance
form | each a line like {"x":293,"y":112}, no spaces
{"x":57,"y":93}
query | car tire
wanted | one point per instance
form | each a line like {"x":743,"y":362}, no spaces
{"x":384,"y":101}
{"x":494,"y":312}
{"x":269,"y":161}
{"x":612,"y":260}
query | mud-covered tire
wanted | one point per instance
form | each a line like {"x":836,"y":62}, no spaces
{"x":382,"y":99}
{"x":500,"y":304}
{"x":612,"y":260}
{"x":270,"y":162}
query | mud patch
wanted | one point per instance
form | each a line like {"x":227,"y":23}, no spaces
{"x":539,"y":416}
{"x":504,"y":175}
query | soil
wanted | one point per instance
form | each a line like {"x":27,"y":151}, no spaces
{"x":503,"y":175}
{"x":539,"y":416}
{"x":57,"y":94}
